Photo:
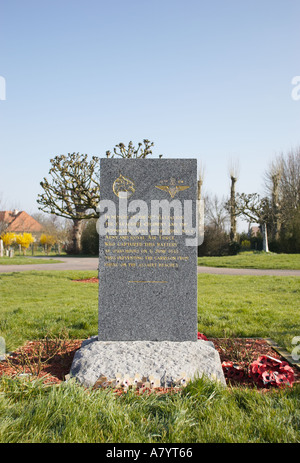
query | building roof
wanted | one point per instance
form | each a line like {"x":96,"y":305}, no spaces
{"x":255,"y":230}
{"x":20,"y":222}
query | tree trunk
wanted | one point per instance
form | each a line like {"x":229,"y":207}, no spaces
{"x":275,"y":206}
{"x":199,"y":189}
{"x":265,"y":237}
{"x":76,"y":235}
{"x":232,"y":210}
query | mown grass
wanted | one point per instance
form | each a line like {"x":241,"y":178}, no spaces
{"x":203,"y":412}
{"x":33,"y":304}
{"x":254,"y":259}
{"x":249,"y":306}
{"x":24,"y":260}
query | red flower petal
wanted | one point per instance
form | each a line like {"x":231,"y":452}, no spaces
{"x":202,"y":336}
{"x":268,"y":371}
{"x":227,"y":364}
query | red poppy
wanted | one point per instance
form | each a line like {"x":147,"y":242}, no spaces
{"x":263,"y":360}
{"x":202,"y":336}
{"x":280,"y":379}
{"x":255,"y":368}
{"x":268,"y":371}
{"x":238,"y":372}
{"x":227,"y":364}
{"x":268,"y":377}
{"x":233,"y":371}
{"x":274,"y":362}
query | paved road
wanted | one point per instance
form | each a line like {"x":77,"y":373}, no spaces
{"x":68,"y":263}
{"x":91,"y":263}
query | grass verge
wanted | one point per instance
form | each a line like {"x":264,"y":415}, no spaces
{"x":203,"y":412}
{"x":34,"y":303}
{"x":256,"y":260}
{"x":24,"y":260}
{"x":249,"y":306}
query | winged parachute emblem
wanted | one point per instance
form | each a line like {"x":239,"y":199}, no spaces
{"x":172,"y":189}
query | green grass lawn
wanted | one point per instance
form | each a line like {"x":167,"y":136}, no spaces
{"x":258,"y":260}
{"x":203,"y":412}
{"x":33,"y":304}
{"x":41,"y":253}
{"x":25,"y":260}
{"x":249,"y":306}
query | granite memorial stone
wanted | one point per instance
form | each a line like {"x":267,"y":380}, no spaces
{"x":148,"y":280}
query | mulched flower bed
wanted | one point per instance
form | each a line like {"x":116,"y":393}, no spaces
{"x":89,"y":280}
{"x":254,"y":363}
{"x":51,"y":360}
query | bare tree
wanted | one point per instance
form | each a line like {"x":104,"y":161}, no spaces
{"x":282,"y":183}
{"x":58,"y":227}
{"x":3,"y":225}
{"x":200,"y":179}
{"x":131,"y":151}
{"x":290,"y":182}
{"x":73,"y":191}
{"x":256,"y":209}
{"x":272,"y":181}
{"x":233,"y":173}
{"x":216,"y":215}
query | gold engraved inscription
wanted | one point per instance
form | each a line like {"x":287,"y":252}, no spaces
{"x":143,"y":252}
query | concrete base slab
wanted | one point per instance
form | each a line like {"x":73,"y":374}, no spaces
{"x":165,"y":361}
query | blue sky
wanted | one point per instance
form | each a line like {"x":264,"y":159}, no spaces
{"x":210,"y":80}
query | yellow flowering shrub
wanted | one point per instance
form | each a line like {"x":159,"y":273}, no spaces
{"x":24,"y":239}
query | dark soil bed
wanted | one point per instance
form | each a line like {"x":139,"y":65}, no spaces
{"x":51,"y":359}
